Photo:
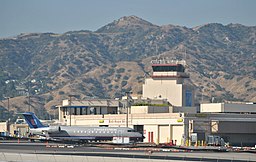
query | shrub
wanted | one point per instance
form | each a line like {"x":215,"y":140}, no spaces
{"x":61,"y":93}
{"x":121,"y":70}
{"x":126,"y":77}
{"x":124,"y":83}
{"x":228,"y":77}
{"x":118,"y":76}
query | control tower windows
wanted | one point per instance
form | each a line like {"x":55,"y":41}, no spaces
{"x":166,"y":68}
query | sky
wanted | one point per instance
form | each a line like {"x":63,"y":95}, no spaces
{"x":60,"y":16}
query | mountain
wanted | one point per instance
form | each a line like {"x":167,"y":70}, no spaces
{"x":47,"y":67}
{"x":127,"y":24}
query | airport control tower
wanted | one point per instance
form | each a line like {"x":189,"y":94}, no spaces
{"x":167,"y":82}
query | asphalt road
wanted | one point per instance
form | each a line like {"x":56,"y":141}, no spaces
{"x":121,"y":153}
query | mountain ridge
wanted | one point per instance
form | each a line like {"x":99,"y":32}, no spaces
{"x":126,"y":22}
{"x":221,"y":61}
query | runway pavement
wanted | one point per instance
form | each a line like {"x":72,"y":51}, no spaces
{"x":53,"y":151}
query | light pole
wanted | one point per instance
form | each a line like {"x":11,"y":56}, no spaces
{"x":70,"y":109}
{"x":28,"y":96}
{"x":8,"y":107}
{"x":70,"y":97}
{"x":127,"y":107}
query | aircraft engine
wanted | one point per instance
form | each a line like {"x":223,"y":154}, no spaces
{"x":54,"y":129}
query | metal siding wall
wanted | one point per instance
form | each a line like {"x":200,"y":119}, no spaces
{"x":237,"y":127}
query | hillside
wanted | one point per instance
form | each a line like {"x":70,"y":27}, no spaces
{"x":116,"y":58}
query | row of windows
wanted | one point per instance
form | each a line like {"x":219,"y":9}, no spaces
{"x":89,"y":111}
{"x":178,"y":68}
{"x":95,"y":131}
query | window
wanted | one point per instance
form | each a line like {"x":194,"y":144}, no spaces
{"x":178,"y":68}
{"x":93,"y":111}
{"x":188,"y":96}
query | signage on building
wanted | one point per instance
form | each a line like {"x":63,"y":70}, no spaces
{"x":179,"y":120}
{"x":168,"y":61}
{"x":117,"y":121}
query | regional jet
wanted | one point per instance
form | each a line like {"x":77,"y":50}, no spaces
{"x":80,"y":133}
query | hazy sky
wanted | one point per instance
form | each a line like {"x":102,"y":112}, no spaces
{"x":59,"y":16}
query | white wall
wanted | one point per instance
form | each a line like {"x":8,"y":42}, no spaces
{"x":149,"y":109}
{"x":211,"y":107}
{"x":3,"y":127}
{"x":167,"y":89}
{"x":227,"y":107}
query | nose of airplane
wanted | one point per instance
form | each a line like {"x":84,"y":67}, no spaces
{"x":142,"y":136}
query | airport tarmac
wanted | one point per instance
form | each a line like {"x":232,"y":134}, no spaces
{"x":13,"y":151}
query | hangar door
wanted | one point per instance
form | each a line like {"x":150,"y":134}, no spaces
{"x":163,"y":133}
{"x":177,"y":132}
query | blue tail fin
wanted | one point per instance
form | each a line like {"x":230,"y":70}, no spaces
{"x":32,"y":120}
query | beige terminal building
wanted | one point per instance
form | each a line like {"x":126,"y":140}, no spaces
{"x":166,"y":111}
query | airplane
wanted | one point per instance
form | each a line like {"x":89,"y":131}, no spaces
{"x":81,"y":133}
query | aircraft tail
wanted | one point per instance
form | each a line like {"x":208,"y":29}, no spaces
{"x":32,"y":120}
